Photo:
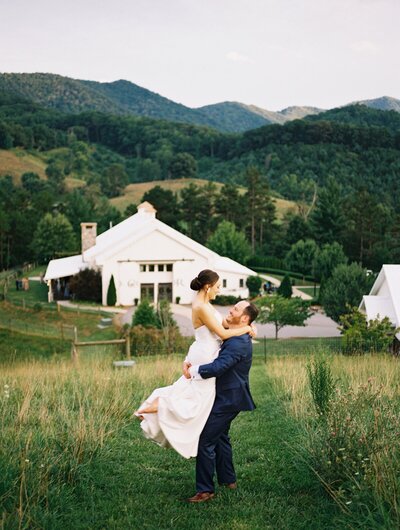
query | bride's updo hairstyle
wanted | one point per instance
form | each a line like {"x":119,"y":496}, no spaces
{"x":206,"y":277}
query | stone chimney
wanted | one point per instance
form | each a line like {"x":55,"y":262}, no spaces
{"x":88,"y":235}
{"x":146,"y":209}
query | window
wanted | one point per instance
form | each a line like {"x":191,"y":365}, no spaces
{"x":169,"y":267}
{"x":241,"y":282}
{"x":223,"y":283}
{"x":143,"y":268}
{"x":161,"y":268}
{"x":151,"y":268}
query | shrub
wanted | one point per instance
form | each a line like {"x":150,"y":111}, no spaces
{"x":360,"y":335}
{"x":153,"y":341}
{"x":253,"y":283}
{"x":145,"y":315}
{"x":285,"y":288}
{"x":226,"y":299}
{"x":86,"y":285}
{"x":321,"y":384}
{"x":164,"y":315}
{"x":111,"y":293}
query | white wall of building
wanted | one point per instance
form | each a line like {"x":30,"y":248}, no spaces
{"x":138,"y":265}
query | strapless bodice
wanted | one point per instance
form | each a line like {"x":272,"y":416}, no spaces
{"x":203,"y":334}
{"x":206,"y":345}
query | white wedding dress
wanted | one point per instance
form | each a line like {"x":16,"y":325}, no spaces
{"x":183,"y":408}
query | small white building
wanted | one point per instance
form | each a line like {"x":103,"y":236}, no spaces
{"x":384,"y":297}
{"x":147,"y":259}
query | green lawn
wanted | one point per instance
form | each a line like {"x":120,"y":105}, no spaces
{"x":37,"y":293}
{"x":311,"y":291}
{"x":15,"y":347}
{"x":48,"y":322}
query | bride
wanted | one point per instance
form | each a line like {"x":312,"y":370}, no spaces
{"x":174,"y":416}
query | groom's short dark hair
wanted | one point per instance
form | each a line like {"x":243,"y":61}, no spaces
{"x":251,"y":311}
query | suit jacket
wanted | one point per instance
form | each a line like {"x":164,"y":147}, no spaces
{"x":231,"y":368}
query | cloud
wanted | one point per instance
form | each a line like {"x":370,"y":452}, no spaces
{"x":365,"y":47}
{"x":238,"y":57}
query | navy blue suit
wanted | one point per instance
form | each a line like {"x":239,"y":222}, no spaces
{"x":231,"y":368}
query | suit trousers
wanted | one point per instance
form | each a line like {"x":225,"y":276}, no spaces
{"x":215,"y":452}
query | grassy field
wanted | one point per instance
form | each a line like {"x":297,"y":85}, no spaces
{"x":73,"y":457}
{"x":16,"y":162}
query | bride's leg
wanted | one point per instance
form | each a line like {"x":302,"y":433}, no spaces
{"x":153,"y":407}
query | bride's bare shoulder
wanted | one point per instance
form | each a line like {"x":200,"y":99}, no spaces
{"x":200,"y":307}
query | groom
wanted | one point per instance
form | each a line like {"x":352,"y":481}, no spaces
{"x":231,"y":368}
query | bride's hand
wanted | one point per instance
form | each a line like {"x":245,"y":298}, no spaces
{"x":253,"y":331}
{"x":185,"y":369}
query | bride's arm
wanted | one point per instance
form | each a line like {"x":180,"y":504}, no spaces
{"x":208,"y":319}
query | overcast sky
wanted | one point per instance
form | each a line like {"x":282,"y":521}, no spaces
{"x":270,"y":53}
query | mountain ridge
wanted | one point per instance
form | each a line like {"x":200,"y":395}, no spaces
{"x":122,"y":97}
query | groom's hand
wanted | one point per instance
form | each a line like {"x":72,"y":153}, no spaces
{"x":185,"y":369}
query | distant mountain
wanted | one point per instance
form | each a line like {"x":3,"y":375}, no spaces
{"x":125,"y":98}
{"x":234,"y":117}
{"x":360,"y":115}
{"x":383,"y":103}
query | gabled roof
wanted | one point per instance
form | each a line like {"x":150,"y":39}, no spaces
{"x":60,"y":268}
{"x":388,"y":302}
{"x":131,"y":230}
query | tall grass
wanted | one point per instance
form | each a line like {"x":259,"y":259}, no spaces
{"x":54,"y":417}
{"x":354,"y":446}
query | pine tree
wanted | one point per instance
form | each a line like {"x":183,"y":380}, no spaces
{"x":285,"y":288}
{"x":260,"y":208}
{"x":327,"y":219}
{"x":111,"y":293}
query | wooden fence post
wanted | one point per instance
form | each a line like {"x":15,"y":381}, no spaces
{"x":128,"y":346}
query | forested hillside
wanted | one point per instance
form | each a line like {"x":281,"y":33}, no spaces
{"x":342,"y":169}
{"x":125,"y":98}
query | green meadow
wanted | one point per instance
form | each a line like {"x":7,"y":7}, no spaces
{"x":72,"y":456}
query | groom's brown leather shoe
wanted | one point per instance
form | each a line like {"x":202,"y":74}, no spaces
{"x":231,"y":486}
{"x":201,"y":497}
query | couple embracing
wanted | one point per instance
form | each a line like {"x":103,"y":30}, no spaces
{"x":194,"y":414}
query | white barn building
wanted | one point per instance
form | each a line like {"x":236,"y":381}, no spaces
{"x":147,"y":259}
{"x":384,"y":297}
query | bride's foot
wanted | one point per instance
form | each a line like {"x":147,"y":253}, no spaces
{"x":151,"y":409}
{"x":138,"y":415}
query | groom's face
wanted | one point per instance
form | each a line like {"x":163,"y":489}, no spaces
{"x":236,"y":316}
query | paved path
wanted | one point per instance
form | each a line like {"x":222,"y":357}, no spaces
{"x":295,"y":290}
{"x":67,"y":303}
{"x":318,"y":325}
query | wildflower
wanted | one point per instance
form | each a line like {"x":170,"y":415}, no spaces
{"x":6,"y":387}
{"x":41,"y":465}
{"x":333,"y":433}
{"x":348,"y":502}
{"x":27,"y":460}
{"x":342,"y":449}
